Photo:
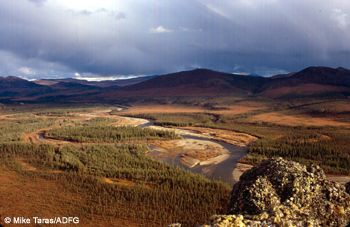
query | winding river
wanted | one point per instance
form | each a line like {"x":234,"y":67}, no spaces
{"x":220,"y":168}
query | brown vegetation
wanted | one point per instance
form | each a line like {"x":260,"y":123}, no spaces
{"x":303,"y":90}
{"x":103,"y":176}
{"x":287,"y":119}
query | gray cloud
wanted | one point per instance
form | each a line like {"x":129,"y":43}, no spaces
{"x":116,"y":37}
{"x":38,"y":2}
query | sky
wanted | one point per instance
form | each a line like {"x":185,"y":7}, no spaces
{"x":109,"y":39}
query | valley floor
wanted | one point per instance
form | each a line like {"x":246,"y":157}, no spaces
{"x":213,"y":152}
{"x":111,"y":159}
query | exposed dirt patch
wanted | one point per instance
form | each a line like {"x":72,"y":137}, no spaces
{"x":124,"y":183}
{"x":121,"y":182}
{"x":26,"y":166}
{"x":30,"y":168}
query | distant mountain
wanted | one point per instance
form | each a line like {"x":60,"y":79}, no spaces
{"x":74,"y":90}
{"x":198,"y":82}
{"x":279,"y":76}
{"x":312,"y":81}
{"x":319,"y":75}
{"x":16,"y":83}
{"x":132,"y":81}
{"x":72,"y":86}
{"x":102,"y":84}
{"x":14,"y":87}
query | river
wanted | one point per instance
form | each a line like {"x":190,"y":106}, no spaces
{"x":220,"y":168}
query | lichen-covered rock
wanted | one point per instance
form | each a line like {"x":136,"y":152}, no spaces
{"x":286,"y":193}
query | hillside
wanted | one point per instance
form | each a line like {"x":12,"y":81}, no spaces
{"x":316,"y":82}
{"x":12,"y":88}
{"x":198,"y":82}
{"x":312,"y":82}
{"x":101,"y":84}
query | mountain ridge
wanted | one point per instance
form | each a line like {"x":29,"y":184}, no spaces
{"x":309,"y":82}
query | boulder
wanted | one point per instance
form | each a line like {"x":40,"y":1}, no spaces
{"x":285,"y":193}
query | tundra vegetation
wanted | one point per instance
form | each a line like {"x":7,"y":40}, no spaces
{"x":111,"y":173}
{"x":322,"y":144}
{"x":103,"y":172}
{"x":99,"y":134}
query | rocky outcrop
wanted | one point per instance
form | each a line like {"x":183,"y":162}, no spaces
{"x":286,"y":193}
{"x":347,"y":186}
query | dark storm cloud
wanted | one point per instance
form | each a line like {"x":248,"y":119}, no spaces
{"x":62,"y":38}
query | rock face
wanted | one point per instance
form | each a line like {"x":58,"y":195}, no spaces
{"x":286,"y":193}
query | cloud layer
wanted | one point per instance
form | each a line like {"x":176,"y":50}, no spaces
{"x":59,"y":38}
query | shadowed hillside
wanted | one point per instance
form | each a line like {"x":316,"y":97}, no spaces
{"x":312,"y":82}
{"x":13,"y":87}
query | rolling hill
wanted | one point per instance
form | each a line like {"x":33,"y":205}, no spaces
{"x":198,"y":82}
{"x":15,"y":89}
{"x":315,"y":82}
{"x":312,"y":81}
{"x":101,"y":84}
{"x":12,"y":88}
